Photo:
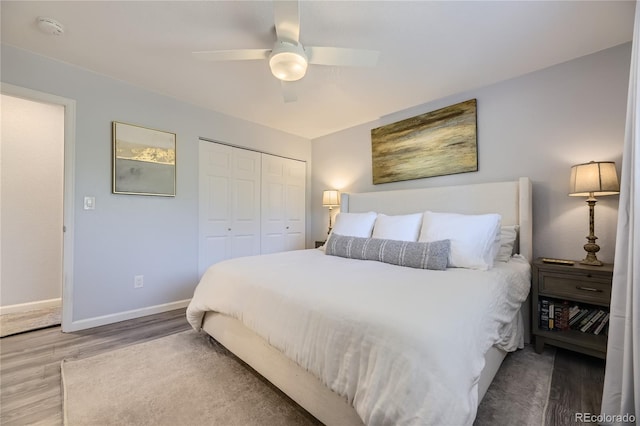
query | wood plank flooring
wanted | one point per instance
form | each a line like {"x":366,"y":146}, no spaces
{"x":576,"y":387}
{"x":30,"y":390}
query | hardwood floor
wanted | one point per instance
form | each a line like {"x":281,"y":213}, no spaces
{"x":576,"y":387}
{"x":30,"y":390}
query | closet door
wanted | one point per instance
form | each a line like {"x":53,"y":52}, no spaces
{"x":283,"y":204}
{"x":245,"y":203}
{"x":229,"y":203}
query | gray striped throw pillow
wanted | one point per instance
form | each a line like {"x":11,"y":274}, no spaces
{"x":431,"y":255}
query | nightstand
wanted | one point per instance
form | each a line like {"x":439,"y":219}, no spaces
{"x":568,"y":286}
{"x":320,"y":243}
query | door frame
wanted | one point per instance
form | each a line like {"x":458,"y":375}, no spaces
{"x":68,"y":190}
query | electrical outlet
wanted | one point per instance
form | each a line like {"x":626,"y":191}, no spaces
{"x":138,"y":281}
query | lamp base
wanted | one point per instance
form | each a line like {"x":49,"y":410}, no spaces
{"x":591,"y":248}
{"x":591,"y":262}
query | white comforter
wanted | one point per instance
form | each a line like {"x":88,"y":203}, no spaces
{"x":405,"y":346}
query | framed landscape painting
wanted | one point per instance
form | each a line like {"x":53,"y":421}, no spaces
{"x":437,"y":143}
{"x":144,"y":161}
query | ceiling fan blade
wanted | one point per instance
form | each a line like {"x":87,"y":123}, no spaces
{"x":289,"y":93}
{"x":233,"y":55}
{"x":286,"y":14}
{"x":340,"y":56}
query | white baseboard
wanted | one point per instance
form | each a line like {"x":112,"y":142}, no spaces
{"x":30,"y":306}
{"x":123,"y":316}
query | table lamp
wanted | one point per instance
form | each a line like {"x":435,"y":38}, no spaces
{"x":331,"y":199}
{"x":588,"y":180}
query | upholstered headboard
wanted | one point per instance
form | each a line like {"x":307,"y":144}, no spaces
{"x":510,"y":199}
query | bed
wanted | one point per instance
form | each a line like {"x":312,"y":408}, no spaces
{"x":344,"y":347}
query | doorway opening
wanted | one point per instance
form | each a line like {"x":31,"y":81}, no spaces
{"x":36,"y":203}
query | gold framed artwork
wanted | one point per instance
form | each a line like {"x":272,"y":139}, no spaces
{"x":144,"y":161}
{"x":437,"y":143}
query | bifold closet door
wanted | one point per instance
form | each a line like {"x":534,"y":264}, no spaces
{"x":229,"y":204}
{"x":283,"y":204}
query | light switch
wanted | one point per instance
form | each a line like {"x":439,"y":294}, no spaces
{"x":89,"y":203}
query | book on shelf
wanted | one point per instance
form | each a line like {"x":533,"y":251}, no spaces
{"x":562,"y":315}
{"x":602,"y":324}
{"x":554,"y":315}
{"x":578,"y":317}
{"x":585,"y":320}
{"x":543,"y":306}
{"x":573,"y":311}
{"x":594,"y":318}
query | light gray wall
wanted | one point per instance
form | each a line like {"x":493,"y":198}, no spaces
{"x":537,"y":125}
{"x":129,"y":235}
{"x":31,"y":187}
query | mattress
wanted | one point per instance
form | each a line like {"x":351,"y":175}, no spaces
{"x":402,"y":345}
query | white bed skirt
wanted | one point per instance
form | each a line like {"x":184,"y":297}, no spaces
{"x":300,"y":385}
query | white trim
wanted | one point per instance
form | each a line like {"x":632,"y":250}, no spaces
{"x":69,"y":185}
{"x":126,"y":315}
{"x":30,"y":306}
{"x":525,"y":218}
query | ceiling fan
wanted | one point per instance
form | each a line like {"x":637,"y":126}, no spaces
{"x":288,"y":59}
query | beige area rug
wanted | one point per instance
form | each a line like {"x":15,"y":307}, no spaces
{"x":185,"y":379}
{"x":30,"y":320}
{"x":519,"y":393}
{"x":188,"y":379}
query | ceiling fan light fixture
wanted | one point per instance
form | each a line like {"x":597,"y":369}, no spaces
{"x":288,"y":62}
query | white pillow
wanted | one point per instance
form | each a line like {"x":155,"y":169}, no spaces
{"x":401,"y":228}
{"x":508,"y":235}
{"x":475,"y":239}
{"x":354,"y":224}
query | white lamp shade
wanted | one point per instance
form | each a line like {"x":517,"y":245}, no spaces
{"x":330,"y":198}
{"x":594,"y":178}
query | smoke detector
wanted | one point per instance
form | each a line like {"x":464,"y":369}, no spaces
{"x":50,"y":26}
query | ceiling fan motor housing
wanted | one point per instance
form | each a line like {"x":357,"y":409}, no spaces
{"x":288,"y":61}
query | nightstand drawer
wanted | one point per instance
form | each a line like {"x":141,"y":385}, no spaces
{"x":584,"y":289}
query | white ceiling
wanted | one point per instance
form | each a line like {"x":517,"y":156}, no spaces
{"x":428,"y":50}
